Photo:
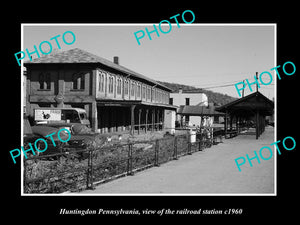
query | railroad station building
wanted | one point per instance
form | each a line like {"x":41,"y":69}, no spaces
{"x":115,"y":98}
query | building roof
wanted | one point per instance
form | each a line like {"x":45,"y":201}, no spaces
{"x":195,"y":110}
{"x":248,"y":105}
{"x":79,"y":56}
{"x":191,"y":91}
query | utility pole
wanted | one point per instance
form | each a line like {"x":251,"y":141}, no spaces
{"x":243,"y":89}
{"x":256,"y":82}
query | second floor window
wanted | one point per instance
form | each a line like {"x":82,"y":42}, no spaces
{"x":101,"y":82}
{"x":187,"y":101}
{"x":126,"y":87}
{"x":119,"y":86}
{"x":132,"y":89}
{"x":110,"y":85}
{"x":45,"y":81}
{"x":138,"y":91}
{"x":78,"y":81}
{"x":148,"y":93}
{"x":144,"y":92}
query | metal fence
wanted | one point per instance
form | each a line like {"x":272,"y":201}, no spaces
{"x":84,"y":168}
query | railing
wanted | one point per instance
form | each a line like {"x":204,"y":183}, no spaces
{"x":75,"y":170}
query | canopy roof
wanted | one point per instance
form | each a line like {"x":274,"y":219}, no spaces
{"x":194,"y":110}
{"x":248,"y":105}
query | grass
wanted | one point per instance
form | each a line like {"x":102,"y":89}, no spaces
{"x":69,"y":173}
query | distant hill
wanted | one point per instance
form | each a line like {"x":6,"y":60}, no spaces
{"x":217,"y":98}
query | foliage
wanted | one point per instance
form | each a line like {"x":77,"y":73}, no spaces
{"x":217,"y":98}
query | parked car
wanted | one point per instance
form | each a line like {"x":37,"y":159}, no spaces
{"x":32,"y":133}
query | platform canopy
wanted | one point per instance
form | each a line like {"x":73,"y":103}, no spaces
{"x":195,"y":110}
{"x":248,"y":105}
{"x":255,"y":104}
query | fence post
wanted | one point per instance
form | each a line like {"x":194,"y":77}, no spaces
{"x":129,"y":160}
{"x":156,"y":152}
{"x":89,"y":183}
{"x":175,"y":149}
{"x":189,"y":150}
{"x":199,"y":145}
{"x":24,"y":177}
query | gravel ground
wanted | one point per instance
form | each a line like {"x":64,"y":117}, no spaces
{"x":212,"y":171}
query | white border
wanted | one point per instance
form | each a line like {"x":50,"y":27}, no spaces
{"x":147,"y":24}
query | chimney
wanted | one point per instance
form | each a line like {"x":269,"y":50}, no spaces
{"x":116,"y":60}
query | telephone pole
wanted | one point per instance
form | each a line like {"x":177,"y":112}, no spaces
{"x":243,"y":90}
{"x":256,"y":82}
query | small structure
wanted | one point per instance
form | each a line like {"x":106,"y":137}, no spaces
{"x":254,"y":106}
{"x":206,"y":113}
{"x":188,"y":98}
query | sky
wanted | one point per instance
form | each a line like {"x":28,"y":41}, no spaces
{"x":200,"y":55}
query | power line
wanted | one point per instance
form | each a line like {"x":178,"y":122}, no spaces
{"x":226,"y":85}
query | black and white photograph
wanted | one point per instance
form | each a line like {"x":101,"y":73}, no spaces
{"x":164,"y":112}
{"x":164,"y":117}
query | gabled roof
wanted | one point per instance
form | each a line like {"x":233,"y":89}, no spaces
{"x":79,"y":56}
{"x":195,"y":110}
{"x":248,"y":104}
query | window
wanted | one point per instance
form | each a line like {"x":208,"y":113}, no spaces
{"x":72,"y":115}
{"x":187,"y":119}
{"x":111,"y":84}
{"x":119,"y":86}
{"x":101,"y":82}
{"x":166,"y":98}
{"x":126,"y":87}
{"x":144,"y":92}
{"x":148,"y":93}
{"x":78,"y":81}
{"x":45,"y":81}
{"x":187,"y":101}
{"x":138,"y":91}
{"x":132,"y":89}
{"x":159,"y":96}
{"x":171,"y":101}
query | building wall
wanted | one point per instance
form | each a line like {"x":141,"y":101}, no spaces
{"x":111,"y":85}
{"x":82,"y":86}
{"x":195,"y":98}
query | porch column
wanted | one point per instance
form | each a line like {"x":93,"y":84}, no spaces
{"x":146,"y":121}
{"x":231,"y":119}
{"x":139,"y":128}
{"x":237,"y":124}
{"x":257,"y":124}
{"x":153,"y":119}
{"x":163,"y":119}
{"x":157,"y":119}
{"x":132,"y":119}
{"x":94,"y":116}
{"x":225,"y":123}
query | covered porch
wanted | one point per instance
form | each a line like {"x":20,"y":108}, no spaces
{"x":249,"y":111}
{"x":114,"y":116}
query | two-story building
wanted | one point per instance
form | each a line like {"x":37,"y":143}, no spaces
{"x":114,"y":97}
{"x":188,"y":98}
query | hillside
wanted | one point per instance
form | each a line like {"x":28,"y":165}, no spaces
{"x":215,"y":97}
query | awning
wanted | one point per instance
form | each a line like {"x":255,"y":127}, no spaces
{"x":128,"y":103}
{"x":248,"y":105}
{"x":193,"y":110}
